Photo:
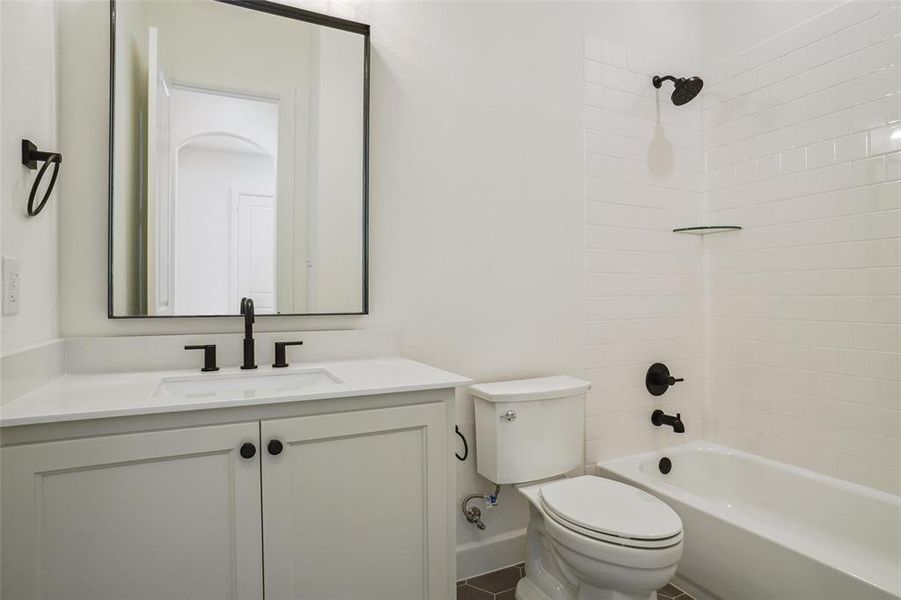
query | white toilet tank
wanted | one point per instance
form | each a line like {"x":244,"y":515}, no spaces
{"x":529,"y":429}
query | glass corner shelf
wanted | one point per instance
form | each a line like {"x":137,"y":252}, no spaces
{"x":704,"y":230}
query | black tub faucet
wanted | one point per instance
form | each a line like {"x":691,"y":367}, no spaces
{"x":247,"y":311}
{"x":658,"y":418}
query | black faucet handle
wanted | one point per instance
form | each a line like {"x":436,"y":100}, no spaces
{"x":658,"y":379}
{"x":209,"y":356}
{"x":280,"y":353}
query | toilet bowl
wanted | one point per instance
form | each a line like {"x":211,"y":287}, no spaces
{"x":597,"y":539}
{"x":588,"y":538}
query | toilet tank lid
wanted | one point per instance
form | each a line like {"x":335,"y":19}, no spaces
{"x":539,"y":388}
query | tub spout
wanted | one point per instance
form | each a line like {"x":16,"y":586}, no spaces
{"x":658,"y":418}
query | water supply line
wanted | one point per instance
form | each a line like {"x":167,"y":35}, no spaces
{"x":474,"y":514}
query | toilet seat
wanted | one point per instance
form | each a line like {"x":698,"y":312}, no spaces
{"x":611,"y":512}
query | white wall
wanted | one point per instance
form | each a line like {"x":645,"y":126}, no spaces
{"x":731,"y":26}
{"x":804,"y":150}
{"x":28,"y":68}
{"x":644,"y":176}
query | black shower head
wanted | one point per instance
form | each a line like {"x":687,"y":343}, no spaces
{"x":684,"y":89}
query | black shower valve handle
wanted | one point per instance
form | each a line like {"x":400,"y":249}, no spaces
{"x":658,"y":379}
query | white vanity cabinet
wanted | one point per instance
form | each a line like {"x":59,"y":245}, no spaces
{"x":349,"y":505}
{"x":169,"y":515}
{"x":355,"y":505}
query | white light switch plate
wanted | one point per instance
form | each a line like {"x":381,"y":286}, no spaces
{"x":11,"y":285}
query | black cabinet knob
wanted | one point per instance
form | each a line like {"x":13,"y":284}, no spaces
{"x":248,"y":450}
{"x":275,"y":447}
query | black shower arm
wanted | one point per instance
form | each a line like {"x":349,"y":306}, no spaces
{"x":658,"y":80}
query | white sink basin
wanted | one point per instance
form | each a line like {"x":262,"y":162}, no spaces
{"x":243,"y":385}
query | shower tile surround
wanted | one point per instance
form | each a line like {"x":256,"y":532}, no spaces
{"x":788,"y":332}
{"x":644,"y":175}
{"x":803,"y":138}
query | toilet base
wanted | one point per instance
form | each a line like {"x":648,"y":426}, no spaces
{"x":526,"y":590}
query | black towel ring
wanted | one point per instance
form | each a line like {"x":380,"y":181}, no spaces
{"x":30,"y":157}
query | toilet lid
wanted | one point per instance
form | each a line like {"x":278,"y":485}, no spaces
{"x":611,"y":508}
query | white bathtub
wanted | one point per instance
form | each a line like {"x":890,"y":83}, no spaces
{"x":756,"y":528}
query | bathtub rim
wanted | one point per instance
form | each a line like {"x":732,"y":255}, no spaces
{"x":628,"y":468}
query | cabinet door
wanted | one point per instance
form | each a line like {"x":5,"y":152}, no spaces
{"x":355,"y":505}
{"x":162,"y":515}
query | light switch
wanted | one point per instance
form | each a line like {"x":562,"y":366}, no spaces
{"x":11,"y":285}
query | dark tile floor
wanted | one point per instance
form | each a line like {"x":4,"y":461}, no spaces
{"x":501,"y":585}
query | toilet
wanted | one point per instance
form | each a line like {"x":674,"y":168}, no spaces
{"x":589,"y":538}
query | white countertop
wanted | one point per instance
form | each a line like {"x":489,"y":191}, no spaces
{"x":104,"y":395}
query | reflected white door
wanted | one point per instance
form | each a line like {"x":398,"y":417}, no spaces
{"x":253,"y":250}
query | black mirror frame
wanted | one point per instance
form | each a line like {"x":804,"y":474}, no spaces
{"x":280,"y":10}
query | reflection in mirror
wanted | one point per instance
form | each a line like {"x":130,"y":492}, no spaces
{"x":238,"y":160}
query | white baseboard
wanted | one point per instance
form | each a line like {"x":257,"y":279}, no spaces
{"x":491,"y":554}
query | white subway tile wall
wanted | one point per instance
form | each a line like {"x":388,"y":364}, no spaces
{"x":803,"y":141}
{"x":644,"y":175}
{"x":788,"y":332}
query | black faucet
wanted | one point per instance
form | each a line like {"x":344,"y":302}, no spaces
{"x":247,"y":311}
{"x":658,"y":418}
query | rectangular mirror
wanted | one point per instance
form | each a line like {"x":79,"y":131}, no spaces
{"x":238,"y":159}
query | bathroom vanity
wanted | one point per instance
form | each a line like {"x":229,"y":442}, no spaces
{"x":326,"y":480}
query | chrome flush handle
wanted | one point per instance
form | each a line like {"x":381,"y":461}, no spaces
{"x":510,"y":415}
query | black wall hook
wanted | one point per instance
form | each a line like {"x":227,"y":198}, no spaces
{"x":30,"y":157}
{"x":465,"y":445}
